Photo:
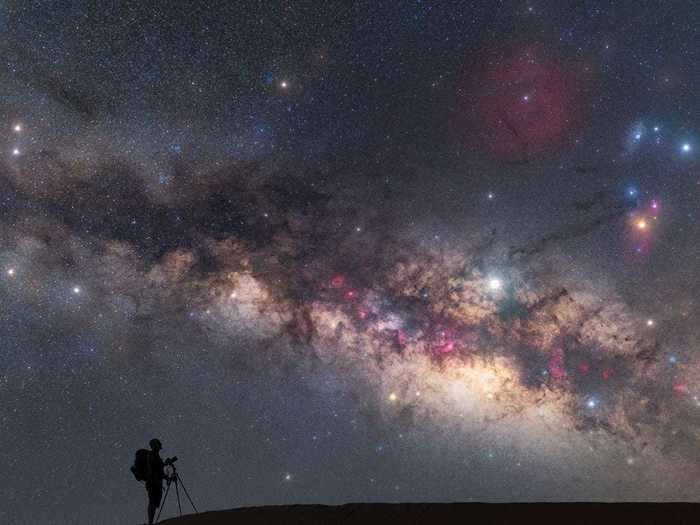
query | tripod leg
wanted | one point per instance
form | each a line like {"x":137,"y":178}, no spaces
{"x":177,"y":493}
{"x":187,"y":493}
{"x":162,"y":503}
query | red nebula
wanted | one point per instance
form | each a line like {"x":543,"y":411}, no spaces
{"x":680,"y":388}
{"x":524,"y":102}
{"x":556,"y":365}
{"x":401,"y":338}
{"x":445,"y":341}
{"x":446,"y":347}
{"x":606,"y":373}
{"x":350,"y":294}
{"x":337,"y":281}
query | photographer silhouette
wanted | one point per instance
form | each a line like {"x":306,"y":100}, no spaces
{"x":155,"y":474}
{"x":150,"y":468}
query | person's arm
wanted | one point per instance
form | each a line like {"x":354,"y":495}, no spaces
{"x":161,"y":467}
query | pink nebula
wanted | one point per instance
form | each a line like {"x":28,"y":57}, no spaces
{"x":524,"y":103}
{"x":556,"y":365}
{"x":337,"y":281}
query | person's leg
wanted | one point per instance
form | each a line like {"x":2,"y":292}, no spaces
{"x":155,"y":496}
{"x":153,"y":501}
{"x":151,"y":512}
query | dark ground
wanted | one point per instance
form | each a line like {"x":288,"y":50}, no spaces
{"x":440,"y":514}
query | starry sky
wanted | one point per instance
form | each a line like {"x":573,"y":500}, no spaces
{"x":348,"y":251}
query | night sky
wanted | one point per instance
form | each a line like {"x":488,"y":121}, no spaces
{"x":335,"y":251}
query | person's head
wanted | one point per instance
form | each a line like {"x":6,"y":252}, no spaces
{"x":155,"y":444}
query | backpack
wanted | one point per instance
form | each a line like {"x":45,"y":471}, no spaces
{"x":140,"y":467}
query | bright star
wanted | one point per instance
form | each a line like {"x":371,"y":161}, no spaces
{"x":490,"y":195}
{"x":15,"y":152}
{"x":641,"y":224}
{"x":393,"y":397}
{"x":76,"y":290}
{"x":11,"y":272}
{"x":287,"y":477}
{"x":17,"y":128}
{"x":284,"y":84}
{"x":591,"y":403}
{"x":495,"y":283}
{"x":526,"y":98}
{"x":656,"y":128}
{"x":685,"y":148}
{"x":650,"y":322}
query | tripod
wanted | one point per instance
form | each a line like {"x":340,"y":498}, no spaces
{"x":175,"y":479}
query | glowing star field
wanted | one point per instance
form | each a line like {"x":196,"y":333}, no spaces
{"x":353,"y":252}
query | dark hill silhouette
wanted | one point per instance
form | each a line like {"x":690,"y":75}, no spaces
{"x":452,"y":513}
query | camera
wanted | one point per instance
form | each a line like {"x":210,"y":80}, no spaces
{"x":170,"y":461}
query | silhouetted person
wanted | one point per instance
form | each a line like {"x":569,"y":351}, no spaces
{"x":154,"y":479}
